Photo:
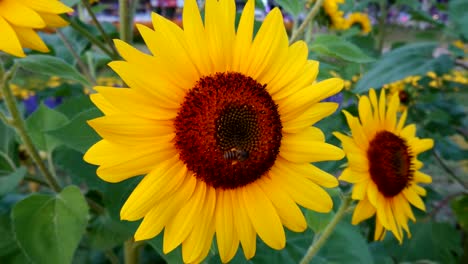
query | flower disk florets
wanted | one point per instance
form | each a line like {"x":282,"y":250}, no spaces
{"x":228,"y":130}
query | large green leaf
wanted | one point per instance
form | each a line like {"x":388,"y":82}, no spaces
{"x":433,"y":241}
{"x":52,"y":66}
{"x":42,"y":120}
{"x":104,"y":232}
{"x":458,"y":15}
{"x":49,"y":228}
{"x":345,"y":245}
{"x":411,"y":59}
{"x":460,"y":208}
{"x":77,"y":134}
{"x":334,"y":46}
{"x":74,"y":106}
{"x":9,"y":182}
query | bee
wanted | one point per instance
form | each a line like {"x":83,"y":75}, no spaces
{"x":236,"y":155}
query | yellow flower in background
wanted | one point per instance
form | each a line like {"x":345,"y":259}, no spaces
{"x":331,"y":8}
{"x":360,"y":19}
{"x":220,"y":125}
{"x":19,"y":20}
{"x":383,"y":165}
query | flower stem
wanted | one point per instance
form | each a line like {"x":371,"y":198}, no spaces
{"x":382,"y":25}
{"x":131,"y":251}
{"x":18,"y":123}
{"x":84,"y":32}
{"x":126,"y":12}
{"x":75,"y":55}
{"x":317,"y":244}
{"x":106,"y":37}
{"x":309,"y":18}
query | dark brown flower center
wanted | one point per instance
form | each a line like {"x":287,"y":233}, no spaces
{"x":389,"y":163}
{"x":228,"y":130}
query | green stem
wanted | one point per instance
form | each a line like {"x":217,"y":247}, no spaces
{"x":106,"y":37}
{"x":75,"y":55}
{"x":18,"y":124}
{"x":126,"y":12}
{"x":309,"y":18}
{"x":317,"y":244}
{"x":84,"y":32}
{"x":449,"y":171}
{"x":131,"y":251}
{"x":382,"y":26}
{"x":4,"y":118}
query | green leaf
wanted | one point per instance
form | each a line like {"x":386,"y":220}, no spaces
{"x":458,"y":14}
{"x":293,"y":7}
{"x":77,"y":134}
{"x":49,"y":228}
{"x":438,"y":242}
{"x":105,"y":233}
{"x":460,"y":208}
{"x":75,"y":106}
{"x":52,"y":66}
{"x":9,"y":182}
{"x":334,"y":46}
{"x":411,"y":59}
{"x":71,"y":162}
{"x":42,"y":120}
{"x":318,"y":221}
{"x":345,"y":245}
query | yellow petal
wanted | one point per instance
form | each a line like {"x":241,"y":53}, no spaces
{"x":290,"y":214}
{"x":129,"y":130}
{"x":263,"y":216}
{"x":312,"y":115}
{"x":299,"y":102}
{"x":105,"y":106}
{"x":20,"y":15}
{"x":244,"y":35}
{"x":408,"y":131}
{"x":414,"y":198}
{"x":420,"y":145}
{"x":9,"y":41}
{"x":178,"y":229}
{"x":53,"y":20}
{"x":309,"y":171}
{"x":155,"y":186}
{"x":356,"y":129}
{"x":303,"y":148}
{"x":300,"y":80}
{"x":30,"y":39}
{"x":422,"y":177}
{"x":47,"y":6}
{"x":133,"y":102}
{"x":120,"y":162}
{"x":244,"y":227}
{"x":198,"y":243}
{"x":165,"y":210}
{"x":302,"y":190}
{"x":226,"y":235}
{"x":359,"y":190}
{"x":390,"y":118}
{"x":363,"y":211}
{"x":352,"y":176}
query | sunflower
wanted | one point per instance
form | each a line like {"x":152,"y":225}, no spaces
{"x":221,"y":126}
{"x":360,"y":19}
{"x":331,"y":8}
{"x":383,"y":165}
{"x":20,"y":18}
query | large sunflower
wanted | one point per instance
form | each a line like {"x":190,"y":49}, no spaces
{"x":383,"y":165}
{"x":221,"y":126}
{"x":20,"y":18}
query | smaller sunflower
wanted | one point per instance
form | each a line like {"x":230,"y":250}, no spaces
{"x":19,"y":20}
{"x":331,"y":8}
{"x":359,"y":19}
{"x":383,"y":165}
